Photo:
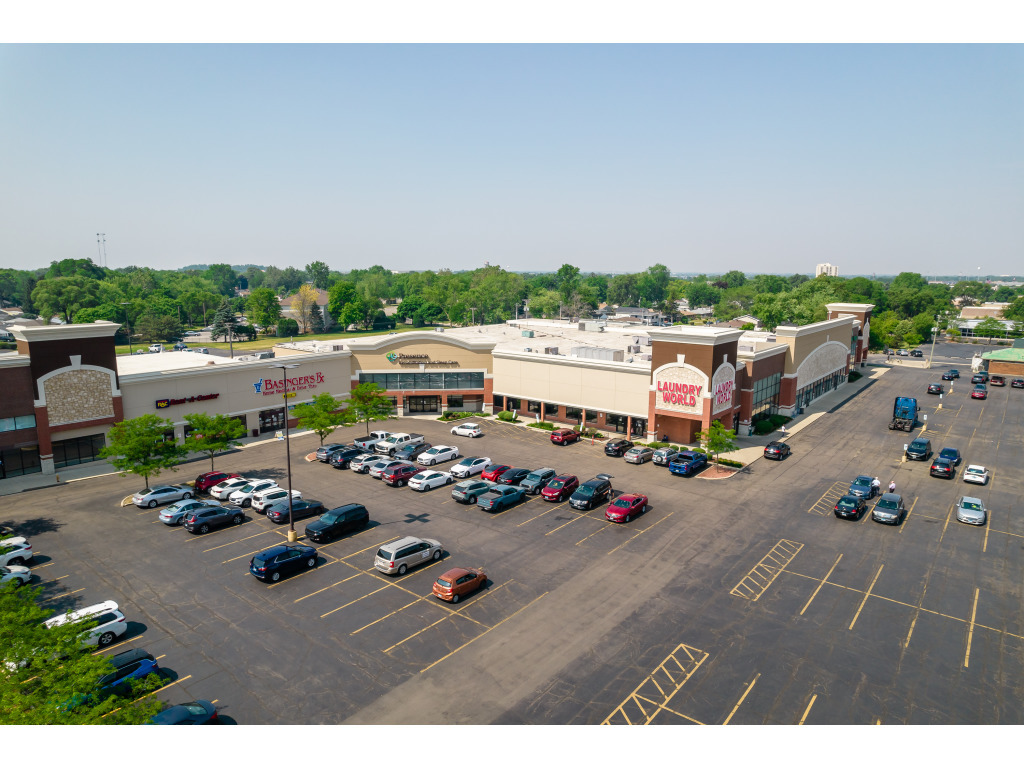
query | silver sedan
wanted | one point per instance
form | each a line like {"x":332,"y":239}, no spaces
{"x":971,"y":511}
{"x":639,"y":454}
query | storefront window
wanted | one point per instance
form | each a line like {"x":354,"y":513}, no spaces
{"x":638,"y":428}
{"x":591,"y":417}
{"x":423,"y":404}
{"x":513,"y":404}
{"x":271,"y":421}
{"x":19,"y":461}
{"x":17,"y":422}
{"x":550,"y":409}
{"x":79,"y":450}
{"x":533,"y":406}
{"x":454,"y":402}
{"x":766,"y":397}
{"x":411,"y":381}
{"x":616,"y":422}
{"x":573,"y":414}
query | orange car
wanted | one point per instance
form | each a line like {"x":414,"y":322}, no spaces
{"x":453,"y":584}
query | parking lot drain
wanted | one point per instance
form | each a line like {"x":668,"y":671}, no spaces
{"x":761,"y":576}
{"x":656,"y":691}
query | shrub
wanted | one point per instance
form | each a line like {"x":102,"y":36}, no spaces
{"x":730,"y":463}
{"x":452,"y":415}
{"x":588,"y":432}
{"x":854,"y":375}
{"x":542,"y":425}
{"x":506,"y":416}
{"x":763,"y":427}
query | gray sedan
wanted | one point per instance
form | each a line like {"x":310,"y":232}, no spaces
{"x":639,"y":454}
{"x":971,"y":511}
{"x":175,"y":514}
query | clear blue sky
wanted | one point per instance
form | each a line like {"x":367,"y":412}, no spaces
{"x":701,"y":157}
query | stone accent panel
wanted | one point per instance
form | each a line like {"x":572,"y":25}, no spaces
{"x":828,"y":358}
{"x":76,"y":396}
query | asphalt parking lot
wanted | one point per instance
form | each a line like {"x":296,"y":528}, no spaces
{"x":730,"y":601}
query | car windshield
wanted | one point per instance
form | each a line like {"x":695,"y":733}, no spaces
{"x":948,"y":453}
{"x":247,"y":488}
{"x":862,"y":480}
{"x":918,"y":445}
{"x":887,"y":504}
{"x":434,"y":450}
{"x":444,"y":583}
{"x":975,"y":471}
{"x":556,"y":484}
{"x":971,"y":505}
{"x":535,"y":476}
{"x":585,"y":490}
{"x":620,"y":503}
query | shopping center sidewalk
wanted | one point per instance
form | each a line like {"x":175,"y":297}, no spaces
{"x":66,"y":475}
{"x":752,"y":448}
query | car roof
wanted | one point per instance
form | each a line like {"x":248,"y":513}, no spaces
{"x":403,"y":542}
{"x":972,"y":500}
{"x":455,"y":573}
{"x":595,"y":481}
{"x":127,"y":657}
{"x":891,"y":497}
{"x":978,"y":467}
{"x":82,"y":613}
{"x":564,"y":478}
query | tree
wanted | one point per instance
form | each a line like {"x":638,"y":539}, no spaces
{"x":212,"y":434}
{"x":75,"y":267}
{"x":735,"y":278}
{"x":52,"y":678}
{"x":223,"y":321}
{"x":653,"y":284}
{"x":623,"y":290}
{"x":223,"y":276}
{"x":568,"y":281}
{"x":702,"y":294}
{"x":717,"y":439}
{"x":151,"y":327}
{"x":263,"y":307}
{"x":64,"y":296}
{"x":138,"y":447}
{"x":304,"y":304}
{"x":990,"y":327}
{"x":1016,"y":309}
{"x":369,"y":402}
{"x":319,"y":274}
{"x":324,"y":414}
{"x":316,"y":321}
{"x":287,"y":326}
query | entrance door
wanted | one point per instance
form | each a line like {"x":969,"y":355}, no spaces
{"x":423,"y":404}
{"x":271,"y":421}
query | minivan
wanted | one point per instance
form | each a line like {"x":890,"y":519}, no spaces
{"x":399,"y":556}
{"x":920,"y":449}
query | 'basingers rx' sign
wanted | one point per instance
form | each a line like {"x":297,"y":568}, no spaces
{"x":295,"y":384}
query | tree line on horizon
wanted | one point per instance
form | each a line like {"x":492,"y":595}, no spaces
{"x":159,"y":304}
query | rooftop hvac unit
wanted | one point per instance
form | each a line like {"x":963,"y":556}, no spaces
{"x":598,"y":353}
{"x":528,"y":334}
{"x":633,"y":348}
{"x":527,"y":349}
{"x":550,"y":350}
{"x":647,"y":341}
{"x":645,"y":357}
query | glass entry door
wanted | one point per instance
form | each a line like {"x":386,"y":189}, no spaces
{"x":423,"y":404}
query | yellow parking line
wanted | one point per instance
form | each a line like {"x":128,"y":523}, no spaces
{"x":909,"y":513}
{"x":573,"y":520}
{"x":153,"y":693}
{"x":948,"y":515}
{"x":420,"y":632}
{"x":346,"y":605}
{"x":372,"y":546}
{"x":821,"y":584}
{"x":738,"y":703}
{"x":642,"y":530}
{"x":606,"y":525}
{"x":806,"y":711}
{"x":66,"y":594}
{"x":306,"y":572}
{"x":247,"y":554}
{"x":473,"y":640}
{"x":236,"y":541}
{"x":557,"y":506}
{"x":970,"y":631}
{"x":399,"y":610}
{"x":988,"y":525}
{"x":52,"y":581}
{"x":44,"y":565}
{"x":300,"y":599}
{"x":117,"y":645}
{"x":866,"y":595}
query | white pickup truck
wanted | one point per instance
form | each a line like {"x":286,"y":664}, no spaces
{"x":395,"y":441}
{"x":367,"y":443}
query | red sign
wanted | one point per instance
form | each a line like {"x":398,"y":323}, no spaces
{"x":297,"y":383}
{"x":723,"y":394}
{"x":679,"y":393}
{"x":167,"y":402}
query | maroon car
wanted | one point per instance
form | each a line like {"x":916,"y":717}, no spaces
{"x":626,"y":507}
{"x":207,"y":480}
{"x":399,"y":476}
{"x":564,"y":436}
{"x":560,"y":488}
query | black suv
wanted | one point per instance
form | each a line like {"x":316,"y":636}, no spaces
{"x":591,"y":493}
{"x":916,"y":353}
{"x":335,"y":522}
{"x":278,"y":511}
{"x":617,"y":447}
{"x":205,"y":518}
{"x":920,"y":449}
{"x":128,"y":665}
{"x":342,"y":457}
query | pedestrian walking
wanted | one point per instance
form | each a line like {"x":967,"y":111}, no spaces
{"x":892,"y":487}
{"x":876,"y":484}
{"x":782,"y":429}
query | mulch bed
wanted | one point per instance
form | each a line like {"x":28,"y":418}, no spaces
{"x":715,"y":472}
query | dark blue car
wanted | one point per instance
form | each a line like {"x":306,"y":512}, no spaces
{"x":687,"y":462}
{"x":282,"y":560}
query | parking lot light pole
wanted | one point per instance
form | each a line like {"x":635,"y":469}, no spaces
{"x":292,"y":536}
{"x":935,"y":332}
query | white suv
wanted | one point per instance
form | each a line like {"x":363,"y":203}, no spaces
{"x":110,"y":623}
{"x":224,"y":489}
{"x":243,"y":496}
{"x":15,"y":551}
{"x":263,"y":499}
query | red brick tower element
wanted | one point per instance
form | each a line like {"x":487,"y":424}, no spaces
{"x":862,"y":314}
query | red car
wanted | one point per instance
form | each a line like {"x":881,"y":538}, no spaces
{"x":399,"y":476}
{"x":560,"y":488}
{"x":979,"y":393}
{"x":457,"y":582}
{"x":564,"y":436}
{"x":207,"y":480}
{"x":626,"y":507}
{"x":493,"y":471}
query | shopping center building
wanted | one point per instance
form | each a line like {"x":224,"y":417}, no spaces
{"x":65,"y":387}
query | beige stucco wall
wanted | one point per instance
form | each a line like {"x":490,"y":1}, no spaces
{"x":803,"y":344}
{"x":376,"y":360}
{"x":234,"y":385}
{"x":78,"y":395}
{"x":574,"y":382}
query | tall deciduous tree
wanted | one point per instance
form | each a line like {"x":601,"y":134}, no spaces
{"x":223,"y":276}
{"x":263,"y":307}
{"x":137,"y":446}
{"x":368,"y":402}
{"x":324,"y":414}
{"x":51,"y":679}
{"x":319,"y":274}
{"x":304,"y":304}
{"x":64,"y":296}
{"x":212,"y":434}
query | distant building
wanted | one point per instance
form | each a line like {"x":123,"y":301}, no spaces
{"x":988,"y":309}
{"x":826,"y":269}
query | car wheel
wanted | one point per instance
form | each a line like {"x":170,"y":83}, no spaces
{"x":20,"y":582}
{"x":400,"y":483}
{"x":204,"y":528}
{"x":275,"y":576}
{"x":16,"y":561}
{"x":402,"y":569}
{"x":187,"y":495}
{"x":246,"y":503}
{"x":643,"y":508}
{"x":311,"y":562}
{"x":627,"y":518}
{"x":105,"y":639}
{"x":455,"y":598}
{"x":237,"y":519}
{"x":472,"y":500}
{"x":437,"y":555}
{"x":152,"y":503}
{"x":430,"y":463}
{"x":448,"y":481}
